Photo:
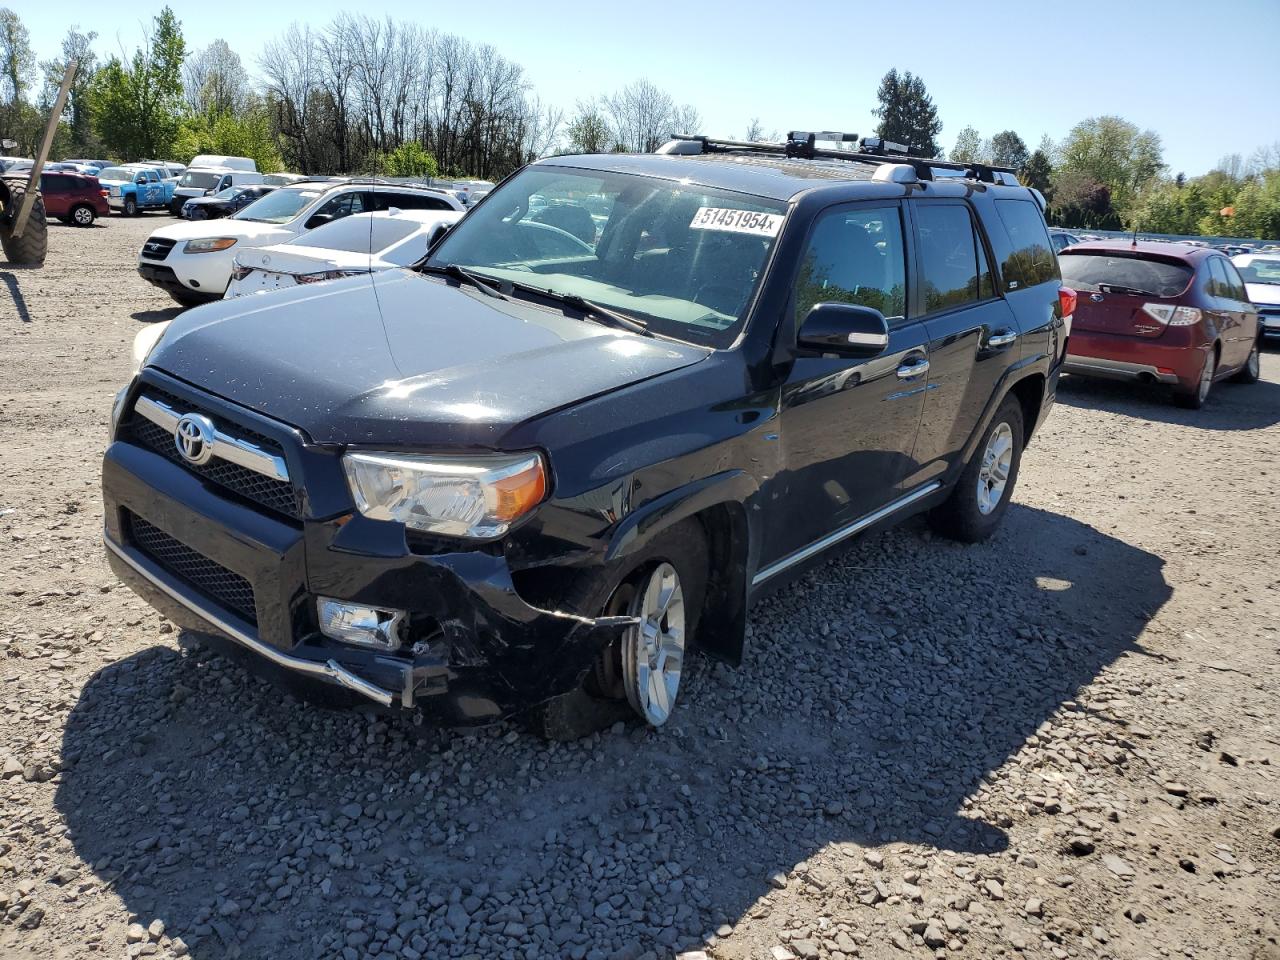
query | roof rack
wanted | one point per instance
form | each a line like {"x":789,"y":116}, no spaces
{"x":871,"y":150}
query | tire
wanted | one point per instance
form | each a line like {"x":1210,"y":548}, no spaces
{"x":967,"y":514}
{"x":31,"y":248}
{"x":1195,"y":398}
{"x":1251,"y":372}
{"x":603,"y":698}
{"x":130,"y":207}
{"x":82,"y":215}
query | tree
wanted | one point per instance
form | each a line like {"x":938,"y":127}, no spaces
{"x":138,"y":106}
{"x":907,"y":114}
{"x":76,"y":46}
{"x":970,"y":147}
{"x":642,"y":116}
{"x":215,"y":81}
{"x":1081,"y":201}
{"x":1037,"y":172}
{"x":755,"y":132}
{"x":407,"y":160}
{"x":16,"y":59}
{"x":1112,"y":151}
{"x":588,"y":131}
{"x":247,"y":134}
{"x":1009,"y":150}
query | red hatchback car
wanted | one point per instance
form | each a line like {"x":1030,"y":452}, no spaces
{"x":75,"y":198}
{"x":1160,"y":313}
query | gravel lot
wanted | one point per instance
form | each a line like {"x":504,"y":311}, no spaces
{"x":1061,"y":743}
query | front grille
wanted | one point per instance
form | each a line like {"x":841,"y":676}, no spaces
{"x":228,"y":589}
{"x":276,"y":495}
{"x":158,"y":248}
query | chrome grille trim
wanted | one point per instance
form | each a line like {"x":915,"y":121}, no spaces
{"x":225,"y":446}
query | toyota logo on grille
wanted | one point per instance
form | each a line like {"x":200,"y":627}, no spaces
{"x":193,"y":436}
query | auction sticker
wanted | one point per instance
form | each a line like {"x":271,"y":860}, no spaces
{"x":737,"y":221}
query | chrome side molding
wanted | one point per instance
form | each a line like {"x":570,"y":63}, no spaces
{"x":831,"y":539}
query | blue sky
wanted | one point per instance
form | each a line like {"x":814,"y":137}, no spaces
{"x":1201,"y":75}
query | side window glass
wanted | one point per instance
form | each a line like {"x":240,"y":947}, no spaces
{"x":950,"y":273}
{"x":343,"y":205}
{"x":1238,"y":291}
{"x":855,"y":255}
{"x":1032,"y":259}
{"x":1218,"y":285}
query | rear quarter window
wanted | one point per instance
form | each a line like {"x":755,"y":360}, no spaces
{"x":1031,"y":259}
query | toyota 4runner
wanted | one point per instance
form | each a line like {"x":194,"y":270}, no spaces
{"x":532,"y":474}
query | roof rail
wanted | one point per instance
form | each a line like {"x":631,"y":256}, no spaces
{"x":871,"y":150}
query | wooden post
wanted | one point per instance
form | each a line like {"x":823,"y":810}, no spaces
{"x":29,"y":198}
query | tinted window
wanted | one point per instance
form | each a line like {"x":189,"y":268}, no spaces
{"x":343,"y":205}
{"x":953,"y":265}
{"x":855,"y":255}
{"x":1032,"y":260}
{"x":409,"y":201}
{"x":1108,"y":272}
{"x":1238,"y":291}
{"x":52,"y":184}
{"x":1217,"y":285}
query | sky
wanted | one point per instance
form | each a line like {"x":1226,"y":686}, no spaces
{"x":1200,"y":75}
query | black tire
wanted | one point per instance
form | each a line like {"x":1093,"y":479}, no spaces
{"x":600,"y":700}
{"x":1251,"y":372}
{"x":82,"y":215}
{"x":960,"y":516}
{"x":1195,"y":398}
{"x":131,"y":207}
{"x":31,"y":248}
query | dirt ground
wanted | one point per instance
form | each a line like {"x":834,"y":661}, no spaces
{"x":1062,"y":743}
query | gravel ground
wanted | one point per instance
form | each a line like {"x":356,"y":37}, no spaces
{"x":1061,"y":743}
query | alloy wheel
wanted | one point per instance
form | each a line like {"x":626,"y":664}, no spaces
{"x":653,"y":650}
{"x":83,"y":216}
{"x":1255,"y":362}
{"x":993,"y":475}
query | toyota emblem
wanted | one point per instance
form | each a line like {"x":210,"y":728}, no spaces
{"x":193,"y":436}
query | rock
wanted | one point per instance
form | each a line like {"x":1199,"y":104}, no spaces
{"x":1134,"y":913}
{"x":1035,"y":907}
{"x":807,"y":949}
{"x":778,"y":880}
{"x":1082,"y":846}
{"x":1177,"y":789}
{"x":351,"y":811}
{"x":136,"y":933}
{"x":994,"y":889}
{"x":954,"y":922}
{"x":833,"y":808}
{"x":781,"y":953}
{"x":874,"y":858}
{"x":693,"y":955}
{"x":155,"y":929}
{"x":1117,"y":865}
{"x":846,"y":944}
{"x":178,"y":947}
{"x":934,"y":936}
{"x":899,"y":940}
{"x":12,"y":768}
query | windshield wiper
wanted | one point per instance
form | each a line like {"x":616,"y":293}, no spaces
{"x":605,"y":314}
{"x":463,"y":275}
{"x":1122,"y":289}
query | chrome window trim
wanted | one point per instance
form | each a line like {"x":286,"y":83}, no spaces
{"x":229,"y":448}
{"x":831,"y":539}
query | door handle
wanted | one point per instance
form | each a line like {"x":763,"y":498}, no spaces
{"x":1002,"y":338}
{"x":909,"y":370}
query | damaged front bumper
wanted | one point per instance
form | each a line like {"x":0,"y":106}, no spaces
{"x":473,"y":651}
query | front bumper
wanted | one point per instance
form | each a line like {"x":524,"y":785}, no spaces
{"x":207,"y":273}
{"x":475,"y":653}
{"x":1174,"y":358}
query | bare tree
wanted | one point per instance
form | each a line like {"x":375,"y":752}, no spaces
{"x":215,"y":82}
{"x":641,"y":115}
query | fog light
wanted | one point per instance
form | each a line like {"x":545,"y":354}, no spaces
{"x":360,"y":625}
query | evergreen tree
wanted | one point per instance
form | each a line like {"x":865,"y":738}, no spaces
{"x":1009,"y":150}
{"x":907,"y":114}
{"x":1037,"y":172}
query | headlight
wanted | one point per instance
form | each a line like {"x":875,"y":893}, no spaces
{"x":209,"y":245}
{"x":476,"y":497}
{"x":145,"y":342}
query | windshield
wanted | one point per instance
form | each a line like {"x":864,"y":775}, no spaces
{"x":115,"y":173}
{"x":1095,"y":271}
{"x":228,"y":193}
{"x":201,"y":181}
{"x":684,"y":259}
{"x":361,"y":233}
{"x":279,"y":206}
{"x":1260,"y":271}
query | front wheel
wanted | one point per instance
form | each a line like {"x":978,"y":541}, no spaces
{"x":981,"y":496}
{"x":130,"y":207}
{"x":83,"y":216}
{"x":1252,"y":369}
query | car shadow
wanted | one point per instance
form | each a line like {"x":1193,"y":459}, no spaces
{"x":1231,"y":406}
{"x":865,"y":713}
{"x":156,"y":316}
{"x":14,"y":289}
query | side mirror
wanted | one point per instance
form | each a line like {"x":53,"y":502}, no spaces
{"x":845,"y":330}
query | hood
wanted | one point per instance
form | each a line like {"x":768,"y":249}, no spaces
{"x":1263,"y":293}
{"x":402,"y":359}
{"x":249,"y":232}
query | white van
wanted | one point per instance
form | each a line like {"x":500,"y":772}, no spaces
{"x":247,"y":164}
{"x":200,"y":181}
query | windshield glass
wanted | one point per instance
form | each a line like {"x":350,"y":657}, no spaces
{"x":279,"y":206}
{"x":228,"y":193}
{"x":1260,"y":271}
{"x":115,"y":173}
{"x":684,"y":259}
{"x":202,"y":181}
{"x":1093,"y":271}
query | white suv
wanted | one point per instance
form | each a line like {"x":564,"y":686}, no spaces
{"x":192,"y":262}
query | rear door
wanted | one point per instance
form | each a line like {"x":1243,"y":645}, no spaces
{"x":1239,"y":320}
{"x":1113,"y":287}
{"x":848,"y":427}
{"x":53,"y":189}
{"x":973,"y":334}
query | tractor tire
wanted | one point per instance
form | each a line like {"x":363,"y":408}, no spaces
{"x":31,"y":247}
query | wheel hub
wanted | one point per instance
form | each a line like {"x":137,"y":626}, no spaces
{"x":653,"y":650}
{"x":993,"y":475}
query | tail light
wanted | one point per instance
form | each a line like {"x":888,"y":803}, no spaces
{"x":1172,"y":316}
{"x":1067,"y":298}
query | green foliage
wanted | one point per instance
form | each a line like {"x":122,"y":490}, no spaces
{"x":80,"y":139}
{"x":1009,"y":150}
{"x":410,"y":159}
{"x":1037,"y":172}
{"x":1079,"y":200}
{"x":137,"y":106}
{"x":1196,"y":208}
{"x":1115,"y":153}
{"x":970,"y":147}
{"x":588,"y":132}
{"x":246,"y":135}
{"x":907,"y":114}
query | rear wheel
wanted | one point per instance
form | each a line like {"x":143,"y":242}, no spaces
{"x":31,"y":247}
{"x":1252,"y":369}
{"x":83,"y":215}
{"x":640,"y":672}
{"x":981,"y":495}
{"x":1194,"y":398}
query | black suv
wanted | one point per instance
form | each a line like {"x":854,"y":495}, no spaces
{"x":623,"y":397}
